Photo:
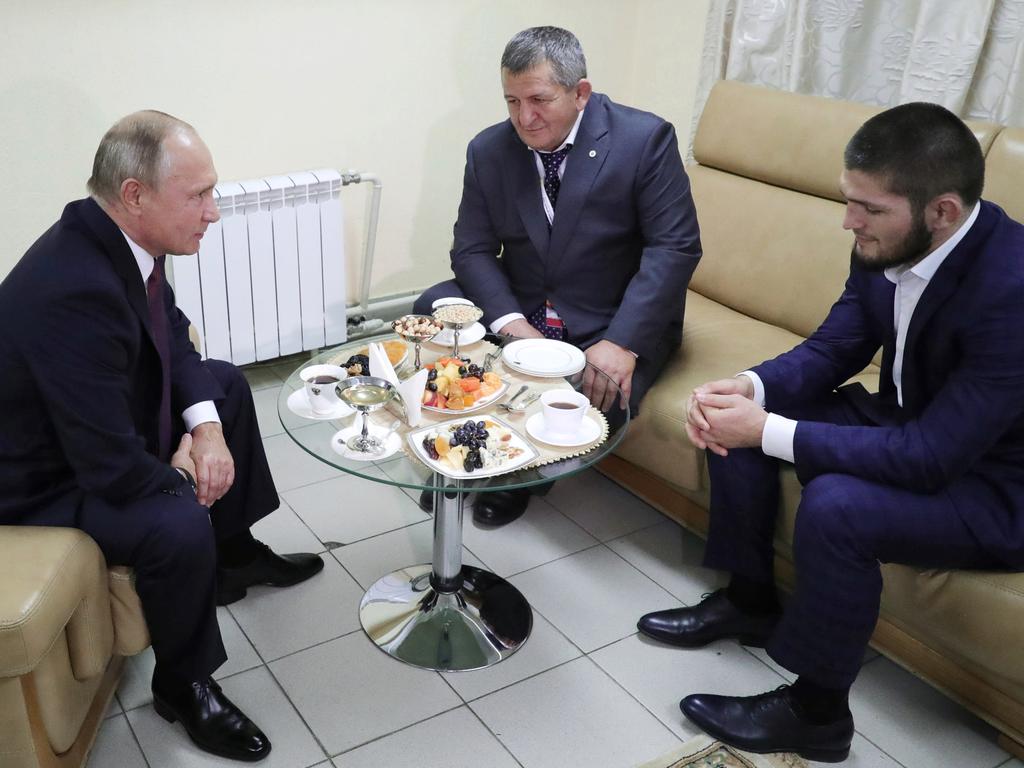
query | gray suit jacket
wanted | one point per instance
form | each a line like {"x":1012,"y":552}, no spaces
{"x":618,"y":259}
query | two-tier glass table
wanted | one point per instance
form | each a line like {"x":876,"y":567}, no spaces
{"x":445,"y":615}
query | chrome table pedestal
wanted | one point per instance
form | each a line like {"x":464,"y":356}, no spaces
{"x":446,"y":616}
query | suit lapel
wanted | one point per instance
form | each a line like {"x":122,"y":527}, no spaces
{"x":524,"y":181}
{"x":943,"y":285}
{"x":106,"y":233}
{"x":582,"y":165}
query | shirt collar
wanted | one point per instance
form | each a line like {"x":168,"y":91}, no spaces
{"x":142,"y":257}
{"x":929,"y":265}
{"x":571,"y":138}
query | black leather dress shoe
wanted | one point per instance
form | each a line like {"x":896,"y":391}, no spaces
{"x":714,"y":618}
{"x":212,"y":721}
{"x":769,"y":722}
{"x":500,"y":507}
{"x":266,"y":568}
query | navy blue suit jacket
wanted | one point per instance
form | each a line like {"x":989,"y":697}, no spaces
{"x":624,"y":243}
{"x":81,"y":384}
{"x":961,"y":427}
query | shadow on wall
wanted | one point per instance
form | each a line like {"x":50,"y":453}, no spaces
{"x":50,"y":149}
{"x":479,"y":45}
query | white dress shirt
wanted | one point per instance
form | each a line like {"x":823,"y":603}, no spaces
{"x":200,"y":412}
{"x":549,"y":210}
{"x":779,"y":432}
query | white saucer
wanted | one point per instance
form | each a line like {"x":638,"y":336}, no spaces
{"x":590,"y":430}
{"x":468,"y":335}
{"x":298,"y":404}
{"x":392,"y":444}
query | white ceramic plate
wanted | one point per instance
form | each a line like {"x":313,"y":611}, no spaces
{"x":298,"y":404}
{"x":528,"y":455}
{"x":544,"y":357}
{"x":468,"y":335}
{"x":489,"y":400}
{"x":392,"y":444}
{"x":590,"y":430}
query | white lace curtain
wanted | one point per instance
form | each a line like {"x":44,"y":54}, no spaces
{"x":967,"y":55}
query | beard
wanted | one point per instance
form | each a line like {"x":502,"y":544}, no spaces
{"x":909,"y":250}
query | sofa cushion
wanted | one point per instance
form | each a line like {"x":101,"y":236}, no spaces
{"x":55,"y":581}
{"x":725,"y":342}
{"x":772,"y":254}
{"x":1004,"y":188}
{"x":131,"y":635}
{"x":806,"y":141}
{"x":972,"y":616}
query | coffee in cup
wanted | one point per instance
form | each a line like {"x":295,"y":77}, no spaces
{"x":320,"y":382}
{"x":564,"y":411}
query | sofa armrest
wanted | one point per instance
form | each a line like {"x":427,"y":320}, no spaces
{"x":53,"y":578}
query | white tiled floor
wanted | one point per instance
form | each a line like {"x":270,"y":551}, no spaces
{"x":586,"y":690}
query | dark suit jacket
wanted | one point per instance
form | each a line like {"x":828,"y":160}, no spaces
{"x":624,"y":243}
{"x":81,"y":384}
{"x":961,"y":427}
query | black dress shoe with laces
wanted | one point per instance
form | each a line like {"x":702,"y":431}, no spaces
{"x":500,"y":507}
{"x":714,"y":618}
{"x":769,"y":722}
{"x":268,"y":569}
{"x":212,"y":721}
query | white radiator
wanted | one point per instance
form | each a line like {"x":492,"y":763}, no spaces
{"x":270,"y":276}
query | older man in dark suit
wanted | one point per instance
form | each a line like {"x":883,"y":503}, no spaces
{"x":576,"y":223}
{"x":928,"y":472}
{"x":100,"y":383}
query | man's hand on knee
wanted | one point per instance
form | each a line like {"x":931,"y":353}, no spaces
{"x":181,"y":458}
{"x":214,"y":467}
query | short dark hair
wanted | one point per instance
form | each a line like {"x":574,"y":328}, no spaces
{"x":536,"y":45}
{"x":920,"y":151}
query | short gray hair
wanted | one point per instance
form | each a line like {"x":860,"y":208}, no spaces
{"x":535,"y":45}
{"x":132,"y":149}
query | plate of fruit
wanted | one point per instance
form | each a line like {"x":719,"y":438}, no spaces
{"x":468,"y":448}
{"x":456,"y":384}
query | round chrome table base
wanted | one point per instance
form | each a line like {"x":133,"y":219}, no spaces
{"x":485,"y":621}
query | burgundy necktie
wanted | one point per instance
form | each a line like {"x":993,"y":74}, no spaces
{"x":158,"y":324}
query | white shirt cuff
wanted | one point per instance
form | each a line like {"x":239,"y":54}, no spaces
{"x":758,"y":386}
{"x":200,"y":413}
{"x":504,"y":320}
{"x":777,"y":438}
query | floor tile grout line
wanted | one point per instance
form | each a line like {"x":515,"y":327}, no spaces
{"x":298,"y":713}
{"x":138,"y":742}
{"x":494,"y":735}
{"x":397,"y":730}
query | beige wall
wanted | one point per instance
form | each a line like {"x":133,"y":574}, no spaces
{"x":396,"y":87}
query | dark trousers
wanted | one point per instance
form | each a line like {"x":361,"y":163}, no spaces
{"x":644,"y":375}
{"x":170,"y":541}
{"x":845,"y":528}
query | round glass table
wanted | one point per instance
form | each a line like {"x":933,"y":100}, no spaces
{"x":444,"y":615}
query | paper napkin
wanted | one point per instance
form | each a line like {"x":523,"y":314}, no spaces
{"x":411,"y":389}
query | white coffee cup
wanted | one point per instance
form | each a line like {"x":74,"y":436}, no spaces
{"x":564,"y":410}
{"x":320,"y":382}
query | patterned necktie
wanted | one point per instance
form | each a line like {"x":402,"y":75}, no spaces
{"x":158,"y":325}
{"x":551,"y":162}
{"x":547,"y":321}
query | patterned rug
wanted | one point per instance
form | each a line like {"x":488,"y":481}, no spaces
{"x":704,"y":752}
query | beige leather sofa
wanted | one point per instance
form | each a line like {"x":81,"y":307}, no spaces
{"x":765,"y":183}
{"x":66,"y":624}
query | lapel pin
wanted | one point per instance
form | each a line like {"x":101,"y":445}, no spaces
{"x":593,"y":153}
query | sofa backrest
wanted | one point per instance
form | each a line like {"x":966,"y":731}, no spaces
{"x":766,"y":187}
{"x":1004,"y":172}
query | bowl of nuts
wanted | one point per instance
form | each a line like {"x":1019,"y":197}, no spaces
{"x":417,"y":329}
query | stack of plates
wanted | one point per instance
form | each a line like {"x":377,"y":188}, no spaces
{"x":543,"y":357}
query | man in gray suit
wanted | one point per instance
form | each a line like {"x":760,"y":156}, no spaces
{"x":576,"y":223}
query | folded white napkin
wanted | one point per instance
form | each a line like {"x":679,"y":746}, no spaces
{"x":411,"y":389}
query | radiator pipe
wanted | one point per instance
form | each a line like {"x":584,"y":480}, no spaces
{"x":370,"y":244}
